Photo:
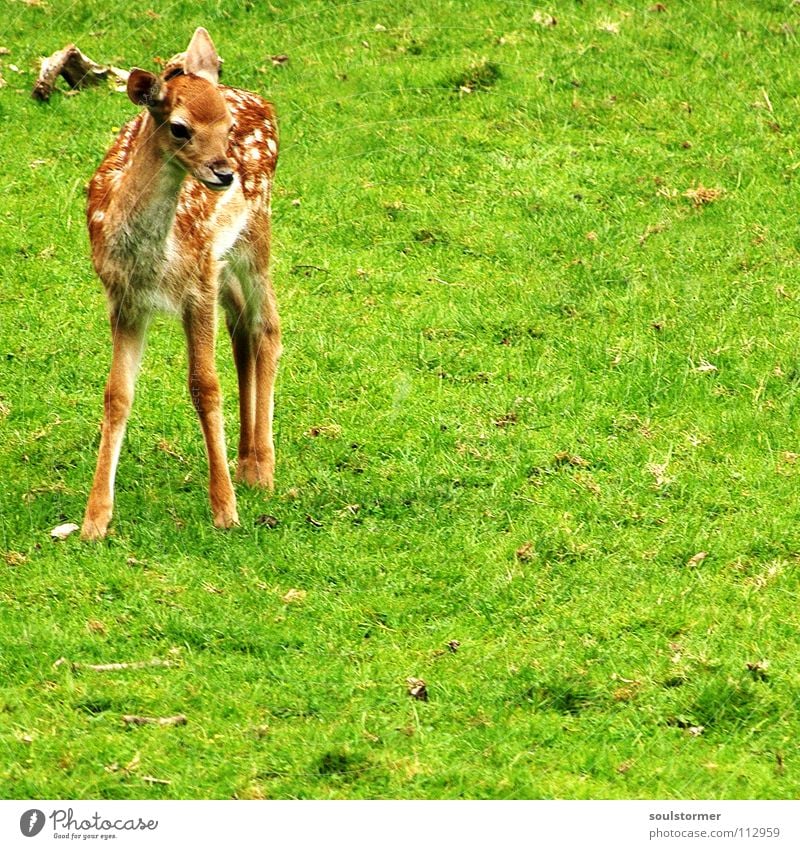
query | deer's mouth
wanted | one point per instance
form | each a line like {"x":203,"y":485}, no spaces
{"x":217,"y":179}
{"x":215,"y":187}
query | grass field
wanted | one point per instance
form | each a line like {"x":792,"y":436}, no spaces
{"x":541,"y":303}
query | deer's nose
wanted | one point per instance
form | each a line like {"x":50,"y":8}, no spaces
{"x":224,"y":174}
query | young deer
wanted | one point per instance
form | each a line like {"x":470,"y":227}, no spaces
{"x":179,"y":219}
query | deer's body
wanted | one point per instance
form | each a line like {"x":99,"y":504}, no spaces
{"x":179,"y":220}
{"x":150,"y":239}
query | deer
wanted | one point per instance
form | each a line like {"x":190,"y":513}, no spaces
{"x":178,"y":215}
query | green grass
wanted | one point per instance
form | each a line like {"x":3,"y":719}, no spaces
{"x":542,"y":379}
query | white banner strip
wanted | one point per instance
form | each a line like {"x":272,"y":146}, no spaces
{"x":401,"y":825}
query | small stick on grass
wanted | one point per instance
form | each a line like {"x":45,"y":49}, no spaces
{"x":132,"y":719}
{"x":150,"y":780}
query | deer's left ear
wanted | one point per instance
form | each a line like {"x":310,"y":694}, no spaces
{"x":201,"y":57}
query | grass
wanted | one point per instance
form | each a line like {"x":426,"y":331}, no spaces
{"x":540,"y":301}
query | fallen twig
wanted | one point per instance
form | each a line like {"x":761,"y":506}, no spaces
{"x":113,"y":667}
{"x":131,"y":719}
{"x":150,"y":780}
{"x":295,"y":268}
{"x":77,"y":69}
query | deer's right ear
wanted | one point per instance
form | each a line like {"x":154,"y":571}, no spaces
{"x":144,"y":88}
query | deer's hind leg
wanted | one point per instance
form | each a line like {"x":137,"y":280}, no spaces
{"x":267,"y":345}
{"x":254,"y":328}
{"x":241,"y":343}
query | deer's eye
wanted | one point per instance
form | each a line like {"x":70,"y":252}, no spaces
{"x":180,"y":131}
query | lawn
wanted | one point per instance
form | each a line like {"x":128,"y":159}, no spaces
{"x":537,"y":428}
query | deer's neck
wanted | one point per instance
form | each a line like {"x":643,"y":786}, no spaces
{"x":144,"y":204}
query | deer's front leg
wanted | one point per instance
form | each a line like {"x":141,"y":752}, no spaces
{"x":200,"y":325}
{"x":128,"y":342}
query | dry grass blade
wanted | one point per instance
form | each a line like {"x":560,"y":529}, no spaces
{"x":113,"y":667}
{"x":706,"y":367}
{"x":697,"y":559}
{"x":565,"y":458}
{"x":701,"y":195}
{"x":544,"y":19}
{"x":525,"y":552}
{"x":659,"y":472}
{"x":293,"y":596}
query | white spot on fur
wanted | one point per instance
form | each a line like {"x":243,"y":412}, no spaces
{"x":272,"y":147}
{"x":230,"y":219}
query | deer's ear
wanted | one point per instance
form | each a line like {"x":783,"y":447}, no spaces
{"x":201,"y":57}
{"x":144,"y":88}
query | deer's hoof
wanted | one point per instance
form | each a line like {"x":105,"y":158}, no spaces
{"x":227,"y":517}
{"x":254,"y":473}
{"x":94,"y":528}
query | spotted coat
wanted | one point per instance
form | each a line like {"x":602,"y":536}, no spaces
{"x":203,"y":230}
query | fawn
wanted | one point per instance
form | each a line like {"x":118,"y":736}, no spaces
{"x":179,"y":219}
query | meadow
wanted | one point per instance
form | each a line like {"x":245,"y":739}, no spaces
{"x":538,"y":268}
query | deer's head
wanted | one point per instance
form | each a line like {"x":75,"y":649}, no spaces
{"x":192,"y":119}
